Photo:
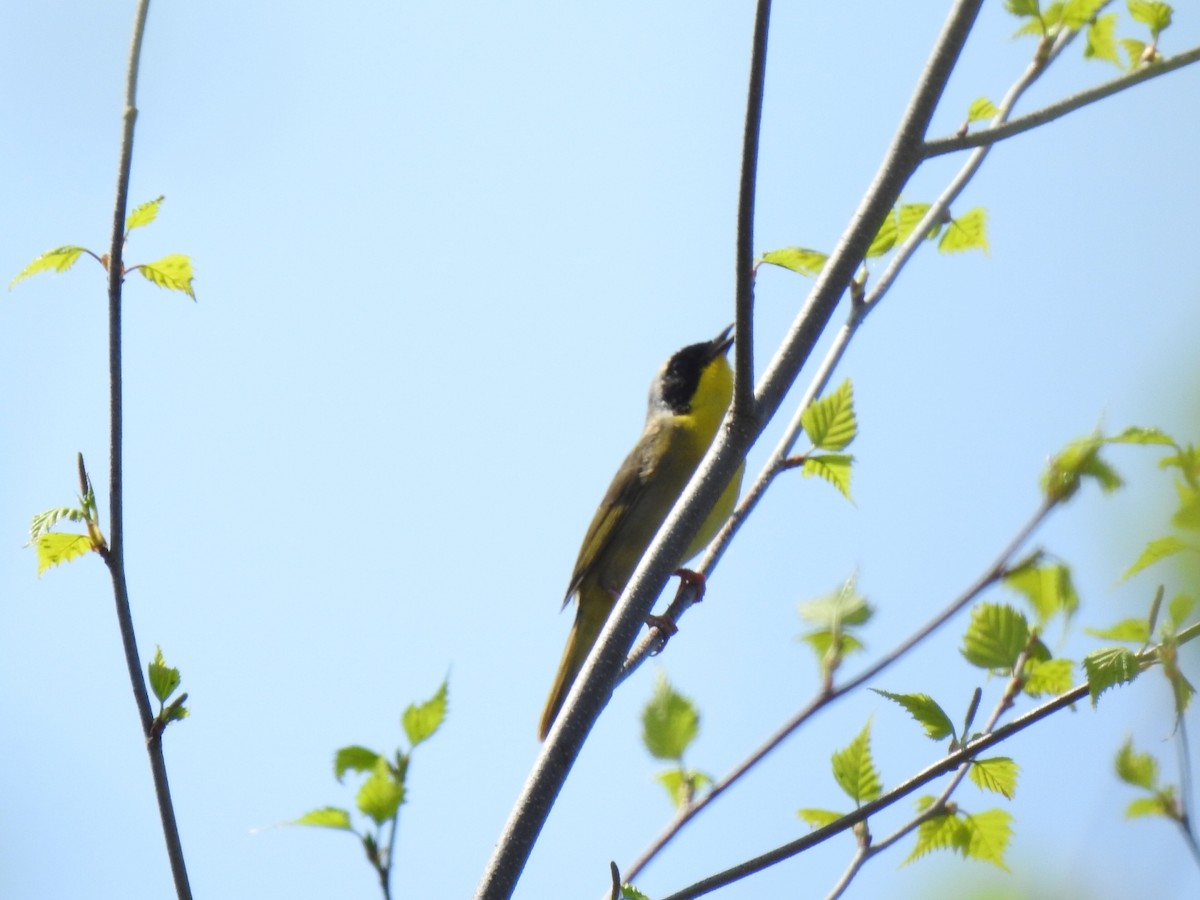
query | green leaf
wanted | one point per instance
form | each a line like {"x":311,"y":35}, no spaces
{"x":944,"y":832}
{"x":797,"y":259}
{"x":996,"y":636}
{"x":1148,"y":806}
{"x":830,"y":422}
{"x":885,"y":238}
{"x":1138,"y":769}
{"x":1187,"y":516}
{"x":1023,"y":8}
{"x":990,"y":833}
{"x":163,"y":679}
{"x":1102,"y":40}
{"x":822,"y":643}
{"x":44,"y":521}
{"x":1051,"y":676}
{"x":1179,"y":610}
{"x":354,"y":759}
{"x":998,"y":775}
{"x":176,"y":711}
{"x":1080,"y":459}
{"x":1133,"y":631}
{"x":173,"y":272}
{"x":926,"y":711}
{"x":832,"y":467}
{"x":57,"y":260}
{"x":1155,"y":16}
{"x":420,"y":722}
{"x":1137,"y":434}
{"x":1157,"y":549}
{"x":381,"y":794}
{"x":683,"y":785}
{"x":55,"y":548}
{"x":818,"y":818}
{"x":1135,"y":52}
{"x":1107,"y":668}
{"x":981,"y":110}
{"x":967,"y":232}
{"x":670,"y":722}
{"x":1048,"y":588}
{"x":629,"y":892}
{"x":843,"y":607}
{"x":854,"y":770}
{"x":909,"y":216}
{"x":326,"y":817}
{"x":143,"y":215}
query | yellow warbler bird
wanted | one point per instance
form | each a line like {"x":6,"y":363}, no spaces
{"x":688,"y":400}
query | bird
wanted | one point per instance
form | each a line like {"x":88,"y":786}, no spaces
{"x":688,"y":400}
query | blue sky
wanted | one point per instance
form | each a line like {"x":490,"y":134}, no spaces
{"x":440,"y":252}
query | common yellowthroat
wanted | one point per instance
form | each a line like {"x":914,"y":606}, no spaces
{"x":688,"y":400}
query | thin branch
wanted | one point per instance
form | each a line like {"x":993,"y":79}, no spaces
{"x":996,"y":133}
{"x":115,"y":558}
{"x":743,"y":394}
{"x":1186,"y":820}
{"x":993,"y":574}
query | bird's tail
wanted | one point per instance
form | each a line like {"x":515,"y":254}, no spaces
{"x":593,"y":609}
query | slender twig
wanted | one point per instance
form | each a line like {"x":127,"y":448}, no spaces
{"x":1186,"y":820}
{"x":994,"y":573}
{"x":993,"y":134}
{"x":115,"y":559}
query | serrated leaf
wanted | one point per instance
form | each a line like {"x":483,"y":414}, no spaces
{"x":143,"y":215}
{"x":670,"y":722}
{"x":854,"y":770}
{"x":381,"y":794}
{"x":1108,"y":668}
{"x":843,"y":607}
{"x":944,"y":832}
{"x":683,"y":785}
{"x":44,"y":521}
{"x":822,"y":643}
{"x":1157,"y":549}
{"x":176,"y":711}
{"x":173,"y":272}
{"x":55,"y":548}
{"x":1022,"y":8}
{"x":326,"y":817}
{"x":966,"y":232}
{"x":1048,"y":588}
{"x":832,"y":467}
{"x":629,"y":892}
{"x":996,"y":636}
{"x":830,"y":422}
{"x":1155,"y":16}
{"x":909,"y":216}
{"x":818,"y":818}
{"x":421,"y":721}
{"x":57,"y":260}
{"x":1179,"y":610}
{"x":1080,"y":459}
{"x":1137,"y":434}
{"x":797,"y":259}
{"x":1102,"y":40}
{"x":926,"y":711}
{"x":354,"y":759}
{"x":1077,"y":13}
{"x":990,"y":833}
{"x":1051,"y":676}
{"x":1147,"y":806}
{"x":982,"y":109}
{"x":1133,"y":631}
{"x":1187,"y":514}
{"x":885,"y":239}
{"x":1135,"y":52}
{"x":1138,"y":769}
{"x":998,"y":774}
{"x":163,"y":679}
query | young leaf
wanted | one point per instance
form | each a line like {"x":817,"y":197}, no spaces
{"x":1048,"y":589}
{"x":990,"y":833}
{"x":55,"y":548}
{"x":44,"y":521}
{"x":143,"y":215}
{"x":1080,"y":459}
{"x":683,"y":785}
{"x":797,"y":259}
{"x":998,"y":774}
{"x":996,"y":636}
{"x":944,"y":832}
{"x":1050,"y":676}
{"x":57,"y":260}
{"x":818,"y":818}
{"x":670,"y":722}
{"x":1187,"y":515}
{"x":1138,"y":769}
{"x":1023,"y":8}
{"x":1102,"y":40}
{"x":833,"y":467}
{"x":830,"y":422}
{"x":1107,"y":668}
{"x":326,"y":817}
{"x":629,"y":892}
{"x":854,"y":770}
{"x":420,"y":722}
{"x":885,"y":238}
{"x":822,"y":643}
{"x":173,"y":272}
{"x":843,"y":607}
{"x":926,"y":711}
{"x":1154,"y":15}
{"x":381,"y":794}
{"x":1179,"y":610}
{"x":1157,"y":549}
{"x":1132,"y":631}
{"x":909,"y":216}
{"x":982,"y":109}
{"x":163,"y":679}
{"x":967,"y":232}
{"x":1156,"y":805}
{"x":354,"y":759}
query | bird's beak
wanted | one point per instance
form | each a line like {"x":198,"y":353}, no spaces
{"x":722,"y":342}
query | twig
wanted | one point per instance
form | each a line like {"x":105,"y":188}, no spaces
{"x":115,"y":559}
